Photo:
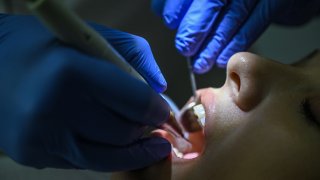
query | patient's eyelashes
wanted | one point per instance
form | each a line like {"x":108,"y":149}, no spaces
{"x":307,"y":112}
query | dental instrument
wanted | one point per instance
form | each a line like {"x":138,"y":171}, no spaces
{"x":192,"y":79}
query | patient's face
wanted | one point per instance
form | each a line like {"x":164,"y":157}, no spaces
{"x":264,"y":123}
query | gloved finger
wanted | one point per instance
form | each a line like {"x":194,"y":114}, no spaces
{"x":157,"y":6}
{"x":196,"y":25}
{"x":174,"y":11}
{"x":254,"y":26}
{"x":107,"y":158}
{"x":45,"y":160}
{"x":97,"y":124}
{"x":235,"y":15}
{"x":120,"y":93}
{"x":137,"y":52}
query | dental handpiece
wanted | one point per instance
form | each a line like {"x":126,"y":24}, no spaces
{"x":69,"y":28}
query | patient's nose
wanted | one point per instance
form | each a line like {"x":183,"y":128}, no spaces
{"x":249,"y":78}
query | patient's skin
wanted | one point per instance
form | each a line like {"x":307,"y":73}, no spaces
{"x":256,"y":127}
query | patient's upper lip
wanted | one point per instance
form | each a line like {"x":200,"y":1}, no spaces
{"x":208,"y":99}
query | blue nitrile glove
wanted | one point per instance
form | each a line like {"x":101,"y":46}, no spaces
{"x":213,"y":30}
{"x":62,"y":108}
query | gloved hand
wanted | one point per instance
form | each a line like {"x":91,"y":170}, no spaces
{"x":63,"y":108}
{"x":213,"y":30}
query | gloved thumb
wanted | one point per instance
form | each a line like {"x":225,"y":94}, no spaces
{"x":136,"y":51}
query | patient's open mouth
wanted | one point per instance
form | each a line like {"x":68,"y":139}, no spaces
{"x":185,"y":129}
{"x":187,"y":140}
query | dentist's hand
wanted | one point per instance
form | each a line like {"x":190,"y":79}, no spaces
{"x":62,"y":108}
{"x":213,"y":30}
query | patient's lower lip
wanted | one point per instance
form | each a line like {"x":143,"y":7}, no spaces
{"x":191,"y":155}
